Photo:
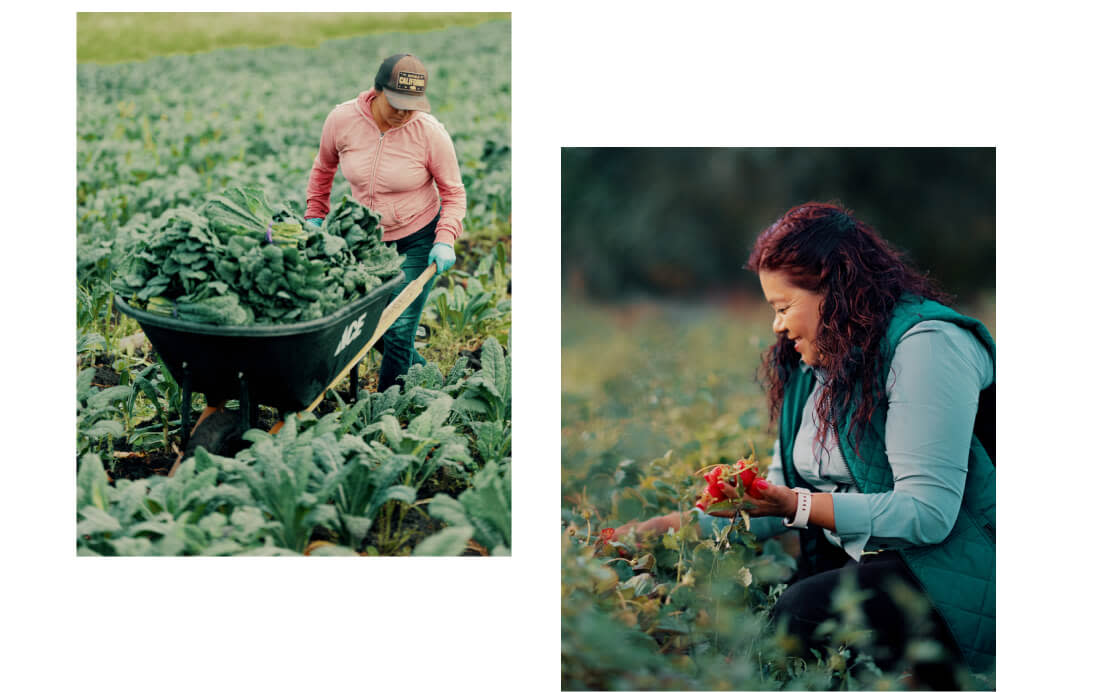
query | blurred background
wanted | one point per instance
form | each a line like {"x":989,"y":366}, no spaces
{"x":680,"y":222}
{"x":114,"y":37}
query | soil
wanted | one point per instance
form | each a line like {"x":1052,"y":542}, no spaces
{"x":104,"y":365}
{"x":105,"y":376}
{"x":417,"y":527}
{"x":137,"y":465}
{"x":414,"y":524}
{"x":441,"y":482}
{"x":474,"y":358}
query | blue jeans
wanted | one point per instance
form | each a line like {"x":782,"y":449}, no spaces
{"x":398,"y":352}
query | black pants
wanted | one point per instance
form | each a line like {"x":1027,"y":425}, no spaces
{"x":807,"y":603}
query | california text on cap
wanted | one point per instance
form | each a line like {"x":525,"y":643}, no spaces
{"x":405,"y":82}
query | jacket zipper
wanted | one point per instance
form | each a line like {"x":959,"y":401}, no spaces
{"x":378,"y":156}
{"x":374,"y":170}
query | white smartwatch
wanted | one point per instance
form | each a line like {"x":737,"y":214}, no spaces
{"x":802,"y":510}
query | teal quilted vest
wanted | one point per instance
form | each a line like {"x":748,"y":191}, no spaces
{"x":957,"y":574}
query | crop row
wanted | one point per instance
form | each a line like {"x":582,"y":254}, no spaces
{"x":423,"y":467}
{"x":165,"y":132}
{"x":325,"y":482}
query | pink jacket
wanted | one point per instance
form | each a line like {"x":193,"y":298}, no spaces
{"x":405,"y":174}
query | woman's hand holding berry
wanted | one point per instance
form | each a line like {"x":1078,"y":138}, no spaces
{"x":769,"y":501}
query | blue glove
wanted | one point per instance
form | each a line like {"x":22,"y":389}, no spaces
{"x":315,"y":222}
{"x":443,"y":255}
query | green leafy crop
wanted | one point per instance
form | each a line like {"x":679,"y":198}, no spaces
{"x":185,"y":166}
{"x":240,"y":260}
{"x":482,"y":512}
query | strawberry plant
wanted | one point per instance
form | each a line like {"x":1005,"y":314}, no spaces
{"x":659,"y":408}
{"x":741,"y":475}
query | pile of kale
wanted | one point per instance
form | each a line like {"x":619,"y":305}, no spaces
{"x":240,"y":259}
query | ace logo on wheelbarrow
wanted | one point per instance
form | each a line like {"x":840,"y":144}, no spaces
{"x":351,"y":333}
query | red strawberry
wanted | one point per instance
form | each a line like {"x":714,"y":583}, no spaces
{"x":712,"y":477}
{"x":606,"y":536}
{"x":748,"y":476}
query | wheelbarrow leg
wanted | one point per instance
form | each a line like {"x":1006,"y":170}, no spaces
{"x":353,"y":381}
{"x":249,"y":412}
{"x":185,"y":406}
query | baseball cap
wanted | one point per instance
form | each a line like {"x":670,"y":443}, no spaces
{"x":405,"y":81}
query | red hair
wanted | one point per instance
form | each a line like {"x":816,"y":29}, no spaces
{"x":823,"y":248}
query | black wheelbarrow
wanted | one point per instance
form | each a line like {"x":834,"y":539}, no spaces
{"x":286,"y":366}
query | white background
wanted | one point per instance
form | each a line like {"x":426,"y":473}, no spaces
{"x":584,"y":74}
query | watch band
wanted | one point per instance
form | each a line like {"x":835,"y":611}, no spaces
{"x":802,"y":510}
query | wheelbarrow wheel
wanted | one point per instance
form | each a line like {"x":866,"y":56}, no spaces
{"x":220,"y":433}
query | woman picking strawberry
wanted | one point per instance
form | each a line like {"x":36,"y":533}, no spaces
{"x":883,"y":462}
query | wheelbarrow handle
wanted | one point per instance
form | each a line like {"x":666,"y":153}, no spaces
{"x":389,"y":315}
{"x":401,"y":302}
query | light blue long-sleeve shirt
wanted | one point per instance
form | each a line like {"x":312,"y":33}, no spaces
{"x":933,"y":390}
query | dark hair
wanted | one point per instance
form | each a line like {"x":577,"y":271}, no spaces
{"x":822,"y":247}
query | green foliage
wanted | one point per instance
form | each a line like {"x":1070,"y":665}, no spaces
{"x":323,"y":479}
{"x":97,"y":412}
{"x":373,"y":480}
{"x":110,"y":37}
{"x":488,"y":392}
{"x":166,"y":133}
{"x":430,"y":442}
{"x":492,"y":439}
{"x":155,"y":394}
{"x":463,"y":309}
{"x":292,"y":476}
{"x":482,"y":512}
{"x":93,"y":304}
{"x":477,"y":299}
{"x":182,"y":146}
{"x":188,"y":514}
{"x":651,"y":395}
